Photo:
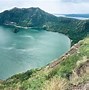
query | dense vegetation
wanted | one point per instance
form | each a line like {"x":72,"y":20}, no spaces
{"x":37,"y":18}
{"x":30,"y":17}
{"x":68,"y":72}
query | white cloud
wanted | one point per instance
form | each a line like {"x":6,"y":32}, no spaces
{"x":52,"y":6}
{"x":47,"y":5}
{"x":75,"y":7}
{"x":75,"y":1}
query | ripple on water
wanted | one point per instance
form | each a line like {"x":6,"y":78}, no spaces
{"x":29,"y":49}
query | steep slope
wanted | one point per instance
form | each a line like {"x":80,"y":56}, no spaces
{"x":39,"y":19}
{"x":73,"y":28}
{"x":70,"y":72}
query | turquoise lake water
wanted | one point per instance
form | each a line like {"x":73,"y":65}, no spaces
{"x":29,"y":48}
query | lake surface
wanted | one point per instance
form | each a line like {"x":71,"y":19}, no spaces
{"x":29,"y":49}
{"x":75,"y":16}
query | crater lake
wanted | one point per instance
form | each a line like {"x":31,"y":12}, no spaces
{"x":28,"y":49}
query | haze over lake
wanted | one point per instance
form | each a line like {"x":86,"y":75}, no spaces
{"x":29,"y":48}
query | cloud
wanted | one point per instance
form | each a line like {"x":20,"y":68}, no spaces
{"x":51,"y":6}
{"x":74,"y":8}
{"x":75,"y":1}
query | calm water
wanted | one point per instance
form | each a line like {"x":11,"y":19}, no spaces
{"x":75,"y":16}
{"x":28,"y":49}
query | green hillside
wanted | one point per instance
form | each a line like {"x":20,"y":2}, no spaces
{"x":27,"y":17}
{"x":39,"y":19}
{"x":71,"y":71}
{"x":67,"y":73}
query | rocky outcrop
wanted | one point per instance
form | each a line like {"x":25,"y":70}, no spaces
{"x":80,"y":76}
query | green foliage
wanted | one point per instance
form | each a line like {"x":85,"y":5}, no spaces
{"x":37,"y":18}
{"x":34,"y":17}
{"x":36,"y":79}
{"x":68,"y":65}
{"x":35,"y":84}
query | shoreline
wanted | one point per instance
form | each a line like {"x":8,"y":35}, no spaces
{"x":45,"y":30}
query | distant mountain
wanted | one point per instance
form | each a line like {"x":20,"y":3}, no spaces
{"x":75,"y":16}
{"x":28,"y":17}
{"x":39,"y":19}
{"x":71,"y":71}
{"x":78,"y":15}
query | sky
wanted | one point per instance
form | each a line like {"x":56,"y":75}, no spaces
{"x":51,"y":6}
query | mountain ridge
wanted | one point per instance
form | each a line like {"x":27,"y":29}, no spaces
{"x":70,"y":72}
{"x":39,"y":19}
{"x":25,"y":16}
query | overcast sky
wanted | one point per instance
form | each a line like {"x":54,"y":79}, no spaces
{"x":51,"y":6}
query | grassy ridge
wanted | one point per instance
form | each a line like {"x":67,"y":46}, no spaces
{"x":66,"y":73}
{"x":58,"y":77}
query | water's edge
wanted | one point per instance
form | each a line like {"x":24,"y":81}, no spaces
{"x":42,"y":36}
